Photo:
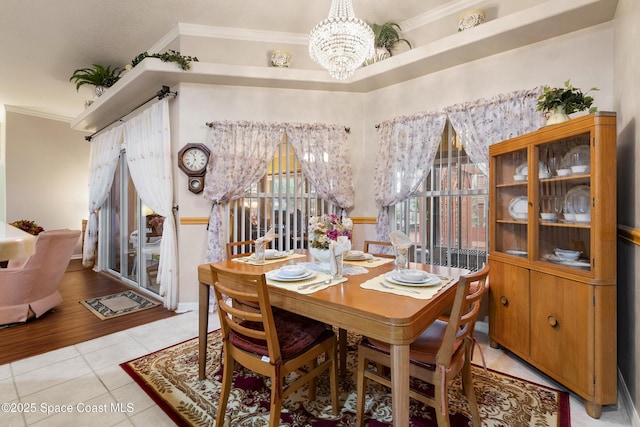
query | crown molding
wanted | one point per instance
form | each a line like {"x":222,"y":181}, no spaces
{"x":37,"y":113}
{"x":243,"y":34}
{"x":439,"y":13}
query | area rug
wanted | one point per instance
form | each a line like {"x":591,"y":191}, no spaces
{"x":118,"y":304}
{"x":170,"y":377}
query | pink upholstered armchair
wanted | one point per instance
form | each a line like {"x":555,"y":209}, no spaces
{"x":29,"y":286}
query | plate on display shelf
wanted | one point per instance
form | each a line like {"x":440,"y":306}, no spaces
{"x":543,"y":170}
{"x":580,"y":263}
{"x":278,"y":276}
{"x":583,"y":153}
{"x":518,"y":208}
{"x":517,"y":252}
{"x":400,"y":279}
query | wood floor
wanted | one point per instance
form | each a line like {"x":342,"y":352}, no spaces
{"x":70,"y":322}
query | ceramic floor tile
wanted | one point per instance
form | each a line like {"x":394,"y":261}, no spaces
{"x":132,"y":394}
{"x":8,"y":390}
{"x":114,"y":377}
{"x":50,"y":375}
{"x":68,"y":396}
{"x":37,"y":362}
{"x":5,"y":371}
{"x":101,"y":411}
{"x":126,"y":349}
{"x":100,"y":343}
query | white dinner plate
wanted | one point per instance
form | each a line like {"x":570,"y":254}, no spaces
{"x":430,"y":281}
{"x":516,"y":252}
{"x":275,"y":275}
{"x":275,"y":255}
{"x":359,"y":257}
{"x":582,"y":264}
{"x":518,"y":208}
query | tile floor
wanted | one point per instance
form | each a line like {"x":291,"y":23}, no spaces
{"x":77,"y":385}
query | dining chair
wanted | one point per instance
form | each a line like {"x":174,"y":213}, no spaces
{"x":238,"y":249}
{"x":441,"y":352}
{"x":270,"y":342}
{"x":379,"y":248}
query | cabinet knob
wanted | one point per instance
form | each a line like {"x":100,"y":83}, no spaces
{"x":504,"y":301}
{"x":553,"y":322}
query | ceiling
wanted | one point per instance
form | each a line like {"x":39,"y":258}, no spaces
{"x":43,"y":42}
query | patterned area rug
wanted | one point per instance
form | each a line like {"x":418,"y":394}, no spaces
{"x":170,"y":377}
{"x":118,"y":304}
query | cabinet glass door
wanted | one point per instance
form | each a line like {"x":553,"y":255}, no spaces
{"x":512,"y":205}
{"x":565,"y":201}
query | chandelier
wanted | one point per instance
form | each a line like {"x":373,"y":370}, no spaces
{"x":342,"y":42}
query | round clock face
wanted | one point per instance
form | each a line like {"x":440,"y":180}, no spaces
{"x":194,"y":159}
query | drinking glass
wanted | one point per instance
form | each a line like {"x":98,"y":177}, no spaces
{"x":337,"y":266}
{"x":259,"y":255}
{"x":402,"y":258}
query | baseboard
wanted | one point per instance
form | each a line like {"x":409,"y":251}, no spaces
{"x":623,"y":394}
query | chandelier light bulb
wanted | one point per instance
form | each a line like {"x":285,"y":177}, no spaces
{"x":342,"y":42}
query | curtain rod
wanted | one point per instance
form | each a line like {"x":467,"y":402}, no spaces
{"x":164,"y":91}
{"x":346,"y":129}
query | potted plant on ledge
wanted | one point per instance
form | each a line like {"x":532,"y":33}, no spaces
{"x":99,"y":76}
{"x":387,"y":36}
{"x":558,"y":103}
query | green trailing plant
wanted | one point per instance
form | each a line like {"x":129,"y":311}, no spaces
{"x":29,"y":226}
{"x":183,"y":61}
{"x":98,"y":75}
{"x":387,"y":36}
{"x":572,"y":99}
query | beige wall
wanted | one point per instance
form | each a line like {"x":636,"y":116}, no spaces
{"x":47,"y":172}
{"x":626,"y":83}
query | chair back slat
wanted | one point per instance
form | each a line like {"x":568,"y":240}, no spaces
{"x":464,"y":314}
{"x":238,"y":313}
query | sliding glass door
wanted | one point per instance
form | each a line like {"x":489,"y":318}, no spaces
{"x":134,"y":232}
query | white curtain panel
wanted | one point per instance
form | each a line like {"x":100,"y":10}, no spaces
{"x":482,"y":123}
{"x":103,"y":160}
{"x":323,"y":152}
{"x":242,"y":152}
{"x":406,"y":150}
{"x":147,"y":141}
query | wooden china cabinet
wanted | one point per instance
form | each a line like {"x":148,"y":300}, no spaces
{"x":552,"y":253}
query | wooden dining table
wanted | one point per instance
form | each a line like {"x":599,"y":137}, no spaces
{"x":394,"y":319}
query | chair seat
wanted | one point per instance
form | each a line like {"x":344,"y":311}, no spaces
{"x":422,"y":350}
{"x":295,"y":334}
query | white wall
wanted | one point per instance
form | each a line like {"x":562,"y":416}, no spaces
{"x":626,"y":83}
{"x":585,"y":57}
{"x":47,"y":172}
{"x":198,"y":104}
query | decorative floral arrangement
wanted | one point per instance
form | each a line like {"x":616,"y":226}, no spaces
{"x":29,"y":226}
{"x":323,"y":229}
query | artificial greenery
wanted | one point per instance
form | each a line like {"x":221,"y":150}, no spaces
{"x":99,"y":75}
{"x":387,"y":36}
{"x":569,"y":97}
{"x":183,"y":61}
{"x":29,"y":226}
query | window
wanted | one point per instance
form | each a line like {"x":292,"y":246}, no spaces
{"x":284,"y":199}
{"x":447,"y":217}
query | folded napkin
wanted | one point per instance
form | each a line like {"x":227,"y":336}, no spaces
{"x":337,"y":248}
{"x":269,"y":236}
{"x":399,"y":239}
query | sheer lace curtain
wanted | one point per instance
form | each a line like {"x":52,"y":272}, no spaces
{"x":406,"y":150}
{"x":482,"y":123}
{"x":105,"y":151}
{"x":148,"y":144}
{"x":242,"y":152}
{"x":323,"y":152}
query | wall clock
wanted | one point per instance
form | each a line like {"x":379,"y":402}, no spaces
{"x":192,"y":160}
